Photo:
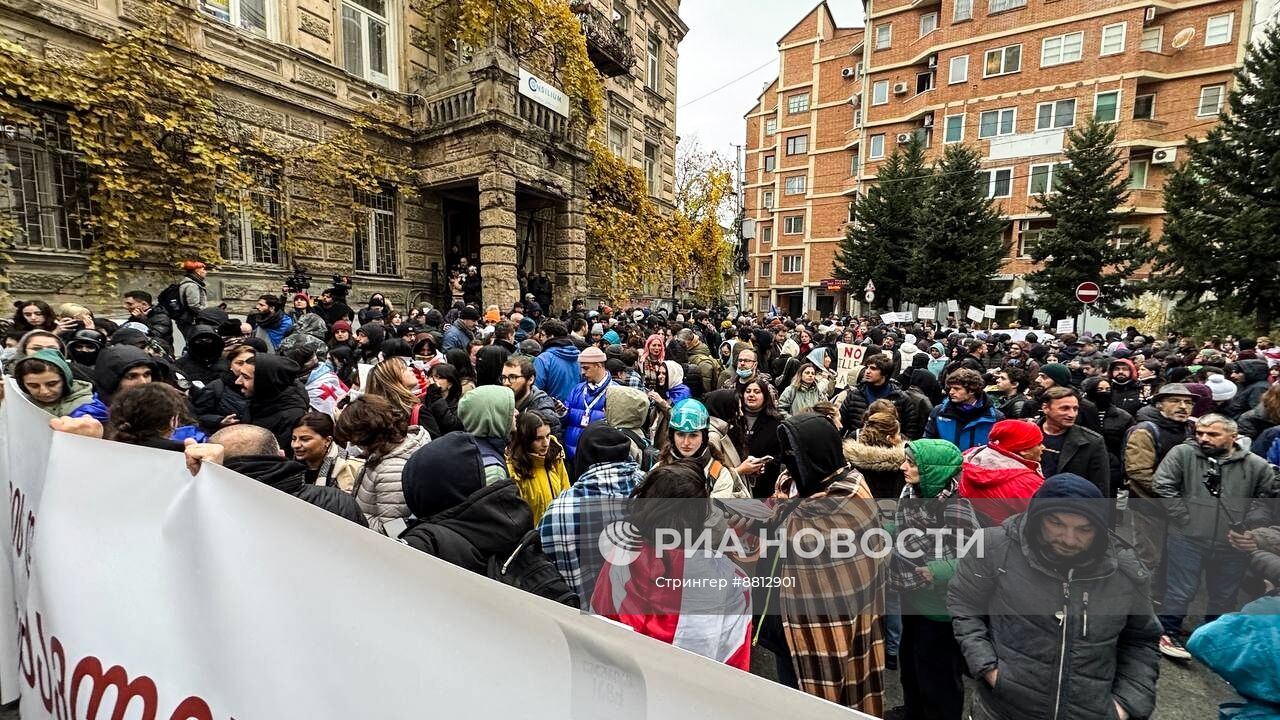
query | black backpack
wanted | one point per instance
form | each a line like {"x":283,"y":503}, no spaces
{"x":170,"y":300}
{"x":648,"y":453}
{"x":529,"y":569}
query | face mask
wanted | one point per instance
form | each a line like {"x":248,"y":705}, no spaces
{"x":1103,"y":401}
{"x":744,"y":374}
{"x":1212,"y":451}
{"x":8,"y":354}
{"x":84,"y":357}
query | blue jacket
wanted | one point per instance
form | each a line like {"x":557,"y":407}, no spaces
{"x":455,"y":337}
{"x":557,"y":369}
{"x":678,"y":393}
{"x":99,"y":411}
{"x":944,"y":425}
{"x":276,"y":334}
{"x":1244,"y":648}
{"x":578,"y":401}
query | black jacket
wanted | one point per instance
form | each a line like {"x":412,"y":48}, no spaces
{"x":854,"y":408}
{"x":218,"y":399}
{"x":336,"y":311}
{"x":1254,"y":423}
{"x":1084,"y":453}
{"x":160,"y":325}
{"x":202,"y":361}
{"x":289,"y":476}
{"x":1254,"y":386}
{"x":1003,"y":603}
{"x":1115,"y":425}
{"x":279,"y":397}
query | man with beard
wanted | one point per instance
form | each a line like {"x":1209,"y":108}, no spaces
{"x":518,"y":374}
{"x":332,"y":309}
{"x":1125,"y":388}
{"x":1058,"y":375}
{"x":270,"y":322}
{"x":1010,"y":393}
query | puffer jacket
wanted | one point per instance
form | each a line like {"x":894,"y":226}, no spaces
{"x":557,"y":368}
{"x":1242,"y":649}
{"x":1252,"y":389}
{"x":488,"y":524}
{"x":1000,"y":484}
{"x":1003,"y":603}
{"x":796,"y":399}
{"x":964,"y":430}
{"x":1253,"y":424}
{"x":854,"y":407}
{"x":585,"y":407}
{"x":379,"y":490}
{"x":218,"y":399}
{"x":881,"y":467}
{"x":1193,"y":512}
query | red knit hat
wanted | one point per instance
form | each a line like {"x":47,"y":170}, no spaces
{"x":1015,"y":436}
{"x":342,"y":325}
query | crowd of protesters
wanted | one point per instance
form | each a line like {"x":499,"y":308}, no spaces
{"x":1107,"y":472}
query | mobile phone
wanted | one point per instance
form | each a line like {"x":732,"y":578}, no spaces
{"x":1238,"y":528}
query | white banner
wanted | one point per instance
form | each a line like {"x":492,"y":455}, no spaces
{"x":889,"y":318}
{"x":1066,"y":326}
{"x":848,"y":360}
{"x":145,"y":592}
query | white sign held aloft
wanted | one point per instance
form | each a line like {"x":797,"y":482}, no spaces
{"x":927,"y":313}
{"x":848,"y":358}
{"x":904,"y":316}
{"x":989,"y":311}
{"x":976,"y":314}
{"x":889,"y":318}
{"x":953,"y":306}
{"x":1066,"y":326}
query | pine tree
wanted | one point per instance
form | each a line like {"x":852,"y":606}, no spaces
{"x":1082,"y":245}
{"x":878,"y":244}
{"x":1223,"y":205}
{"x":961,"y":235}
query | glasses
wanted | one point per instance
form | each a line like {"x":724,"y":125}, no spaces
{"x":507,"y":379}
{"x":1181,"y":401}
{"x":744,"y":361}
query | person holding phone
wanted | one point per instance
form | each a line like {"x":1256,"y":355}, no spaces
{"x":755,"y":435}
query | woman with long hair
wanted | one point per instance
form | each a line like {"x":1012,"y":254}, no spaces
{"x":45,"y":376}
{"x":327,"y":462}
{"x":535,"y":461}
{"x":340,"y":335}
{"x":653,"y":363}
{"x":386,"y":442}
{"x":690,"y":441}
{"x":464,"y":369}
{"x":394,"y":381}
{"x":33,"y":315}
{"x":803,"y":392}
{"x":756,"y":437}
{"x":147,"y":415}
{"x":442,"y":398}
{"x":877,"y":452}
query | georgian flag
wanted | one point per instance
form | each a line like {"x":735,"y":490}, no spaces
{"x":324,"y":389}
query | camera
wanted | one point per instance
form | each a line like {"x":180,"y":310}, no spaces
{"x":1213,"y":478}
{"x":299,"y":281}
{"x":341,"y":286}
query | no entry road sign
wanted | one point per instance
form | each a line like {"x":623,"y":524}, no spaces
{"x":1088,"y":292}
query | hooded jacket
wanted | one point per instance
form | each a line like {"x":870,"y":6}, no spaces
{"x":1000,"y":483}
{"x":811,"y":452}
{"x":1242,"y":649}
{"x":538,"y":401}
{"x":379,"y":488}
{"x":204,"y":352}
{"x":76,"y":394}
{"x":881,"y":466}
{"x":1003,"y":603}
{"x":456,"y":515}
{"x":1193,"y":511}
{"x":486,"y":413}
{"x":1252,"y":388}
{"x":375,"y":333}
{"x":289,"y":476}
{"x":113,"y":362}
{"x":557,"y":368}
{"x":938,"y":364}
{"x":279,"y":398}
{"x":218,"y":399}
{"x":273,"y":328}
{"x":1128,"y":395}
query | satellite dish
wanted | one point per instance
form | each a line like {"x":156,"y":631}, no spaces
{"x":1183,"y":38}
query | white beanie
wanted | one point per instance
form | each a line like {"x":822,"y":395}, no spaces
{"x":1222,"y":388}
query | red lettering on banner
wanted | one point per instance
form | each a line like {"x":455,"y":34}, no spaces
{"x":23,"y":523}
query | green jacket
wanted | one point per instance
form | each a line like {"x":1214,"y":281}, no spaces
{"x":74,"y":392}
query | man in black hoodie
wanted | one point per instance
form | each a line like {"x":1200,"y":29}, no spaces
{"x":254,"y":452}
{"x":277,"y":398}
{"x":458,"y":518}
{"x":1251,"y":390}
{"x":204,"y":351}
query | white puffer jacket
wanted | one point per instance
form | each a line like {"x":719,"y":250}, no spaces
{"x":378,"y":489}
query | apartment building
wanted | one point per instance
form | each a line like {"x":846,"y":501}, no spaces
{"x":502,"y":164}
{"x":1011,"y":77}
{"x":801,"y":167}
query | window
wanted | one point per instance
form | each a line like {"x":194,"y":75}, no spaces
{"x":857,"y":115}
{"x":876,"y":149}
{"x":1044,"y":178}
{"x":999,"y":182}
{"x":771,"y":126}
{"x":251,"y":230}
{"x":959,"y":69}
{"x":1002,"y":61}
{"x":963,"y":10}
{"x":653,"y":74}
{"x":855,"y":164}
{"x":1144,"y":107}
{"x":47,"y":196}
{"x":766,"y":234}
{"x":621,"y":17}
{"x":1113,"y":39}
{"x":1027,"y":242}
{"x":924,"y":82}
{"x":1152,"y":39}
{"x":995,"y":6}
{"x":884,"y":36}
{"x":1106,"y":106}
{"x":793,"y":225}
{"x":766,"y":199}
{"x":1127,"y":235}
{"x":794,"y":185}
{"x":853,"y":211}
{"x":255,"y":16}
{"x":792,"y":263}
{"x":798,"y":145}
{"x":1054,"y":115}
{"x":1138,"y":173}
{"x":375,"y":235}
{"x":798,"y":103}
{"x":770,"y":162}
{"x":954,"y":129}
{"x":1218,"y":30}
{"x":651,"y":167}
{"x":1210,"y":101}
{"x":618,"y":140}
{"x":366,"y":40}
{"x":928,"y":23}
{"x":766,"y":268}
{"x":1061,"y":49}
{"x":996,"y":122}
{"x":880,"y":92}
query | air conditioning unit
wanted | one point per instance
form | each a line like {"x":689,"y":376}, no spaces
{"x":904,"y":138}
{"x":933,"y":60}
{"x":1149,"y":15}
{"x":928,"y":119}
{"x":848,"y":72}
{"x":900,"y":88}
{"x":856,"y":100}
{"x":748,"y":229}
{"x":1164,"y":156}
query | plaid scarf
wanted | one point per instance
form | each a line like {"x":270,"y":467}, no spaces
{"x":943,"y":511}
{"x":570,"y":529}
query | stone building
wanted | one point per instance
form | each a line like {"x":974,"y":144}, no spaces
{"x":501,"y":164}
{"x":1009,"y":77}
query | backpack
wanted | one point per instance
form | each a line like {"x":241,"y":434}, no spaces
{"x":170,"y":299}
{"x":1155,"y":443}
{"x":648,"y":453}
{"x":529,"y":569}
{"x":717,"y":367}
{"x":490,"y":458}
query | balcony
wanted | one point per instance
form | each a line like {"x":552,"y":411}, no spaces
{"x":608,"y":47}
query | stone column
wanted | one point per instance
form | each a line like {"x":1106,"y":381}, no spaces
{"x":570,"y":253}
{"x":498,"y":239}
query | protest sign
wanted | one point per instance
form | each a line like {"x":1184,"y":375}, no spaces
{"x":928,"y":313}
{"x":976,"y":314}
{"x":1065,"y":326}
{"x":848,"y":358}
{"x":889,"y":318}
{"x":904,"y":316}
{"x":953,"y":306}
{"x":989,"y":311}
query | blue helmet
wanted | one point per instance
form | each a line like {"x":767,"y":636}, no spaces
{"x":689,"y":416}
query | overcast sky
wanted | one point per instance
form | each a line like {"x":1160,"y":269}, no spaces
{"x":729,"y":55}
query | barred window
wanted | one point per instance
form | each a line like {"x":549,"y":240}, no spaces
{"x":251,"y":232}
{"x":376,"y":246}
{"x":47,"y":193}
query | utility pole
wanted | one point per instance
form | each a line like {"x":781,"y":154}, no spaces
{"x":740,"y":255}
